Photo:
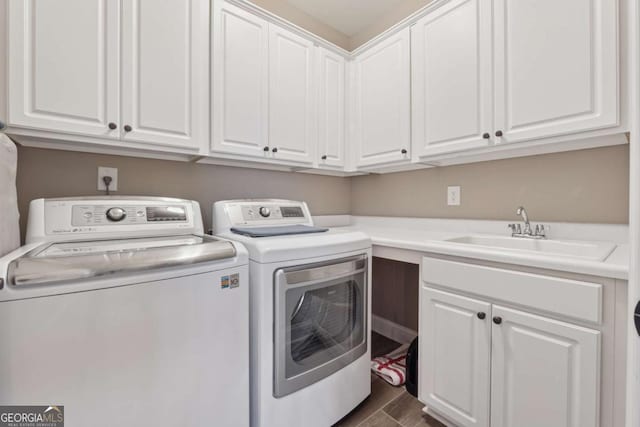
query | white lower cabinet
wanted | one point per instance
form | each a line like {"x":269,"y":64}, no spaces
{"x":544,"y":372}
{"x":455,"y":356}
{"x":483,"y":364}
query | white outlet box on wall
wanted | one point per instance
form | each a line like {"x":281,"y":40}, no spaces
{"x":453,"y":195}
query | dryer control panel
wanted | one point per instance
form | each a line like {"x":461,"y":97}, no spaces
{"x":261,"y":212}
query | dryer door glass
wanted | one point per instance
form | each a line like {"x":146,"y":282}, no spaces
{"x":321,"y":321}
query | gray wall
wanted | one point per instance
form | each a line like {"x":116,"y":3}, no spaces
{"x":577,"y":186}
{"x":394,"y":293}
{"x":56,"y":173}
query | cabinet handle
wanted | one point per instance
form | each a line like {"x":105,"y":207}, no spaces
{"x":499,"y":133}
{"x":266,"y":148}
{"x":324,"y":157}
{"x":497,"y":320}
{"x":481,"y":315}
{"x":127,"y":128}
{"x":113,"y":126}
{"x":403,"y":151}
{"x":274,"y":150}
{"x":486,"y":135}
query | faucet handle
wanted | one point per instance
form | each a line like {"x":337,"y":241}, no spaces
{"x":541,"y":230}
{"x":515,"y":229}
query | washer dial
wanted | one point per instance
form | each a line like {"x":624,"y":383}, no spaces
{"x":116,"y":214}
{"x":265,"y":212}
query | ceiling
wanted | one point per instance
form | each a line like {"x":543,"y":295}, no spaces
{"x":347,"y":16}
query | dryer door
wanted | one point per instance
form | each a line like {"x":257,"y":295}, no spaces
{"x":320,"y":322}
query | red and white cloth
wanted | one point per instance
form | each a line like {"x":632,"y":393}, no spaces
{"x":392,"y":367}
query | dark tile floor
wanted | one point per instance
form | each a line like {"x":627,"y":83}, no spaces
{"x":387,"y":406}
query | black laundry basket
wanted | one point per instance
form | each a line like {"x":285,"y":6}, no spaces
{"x":411,"y":383}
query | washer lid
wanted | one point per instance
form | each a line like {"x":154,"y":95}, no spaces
{"x":69,"y":261}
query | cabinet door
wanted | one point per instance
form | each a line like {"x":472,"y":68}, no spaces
{"x":382,"y":102}
{"x":544,"y":372}
{"x":165,"y":81}
{"x":556,"y":67}
{"x":240,"y":82}
{"x":292,"y":112}
{"x":63,"y":72}
{"x":331,"y":108}
{"x":454,"y":356}
{"x":451,"y":78}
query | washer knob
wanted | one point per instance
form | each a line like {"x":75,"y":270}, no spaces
{"x":116,"y":214}
{"x":265,"y":212}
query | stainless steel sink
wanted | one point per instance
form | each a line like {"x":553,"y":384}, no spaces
{"x":595,"y":251}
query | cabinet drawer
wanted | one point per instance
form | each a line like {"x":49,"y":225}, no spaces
{"x":566,"y":297}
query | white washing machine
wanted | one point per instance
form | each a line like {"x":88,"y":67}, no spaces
{"x":310,"y":312}
{"x":125,"y":313}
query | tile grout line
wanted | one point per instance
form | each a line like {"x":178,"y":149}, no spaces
{"x":390,"y":417}
{"x":380,"y":409}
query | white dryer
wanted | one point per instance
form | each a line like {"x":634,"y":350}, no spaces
{"x":310,"y":312}
{"x":125,"y":313}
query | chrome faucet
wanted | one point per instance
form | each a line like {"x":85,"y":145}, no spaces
{"x":518,"y":231}
{"x":523,"y":213}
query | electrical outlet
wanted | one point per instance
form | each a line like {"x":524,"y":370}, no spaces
{"x":453,"y":195}
{"x":113,"y":173}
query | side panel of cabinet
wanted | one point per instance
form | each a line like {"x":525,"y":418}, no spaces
{"x":451,"y":78}
{"x":331,"y":108}
{"x":63,"y":72}
{"x":454,"y":356}
{"x":382,"y":102}
{"x":240,"y":77}
{"x":165,"y":81}
{"x":292,"y":109}
{"x":544,"y":372}
{"x":556,"y":67}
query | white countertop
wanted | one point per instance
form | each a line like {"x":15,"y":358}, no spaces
{"x":430,"y":235}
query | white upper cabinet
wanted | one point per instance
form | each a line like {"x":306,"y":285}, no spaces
{"x":454,"y":85}
{"x":240,"y":82}
{"x":451,"y":79}
{"x":165,"y":72}
{"x":382,"y":102}
{"x":556,"y":67}
{"x":544,"y":372}
{"x":135,"y":70}
{"x":63,"y":71}
{"x":292,"y":106}
{"x":455,"y":351}
{"x":331,"y":108}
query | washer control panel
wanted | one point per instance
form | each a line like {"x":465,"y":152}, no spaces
{"x":122,"y":216}
{"x":82,"y":215}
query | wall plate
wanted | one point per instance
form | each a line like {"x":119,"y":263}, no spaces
{"x":105,"y":171}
